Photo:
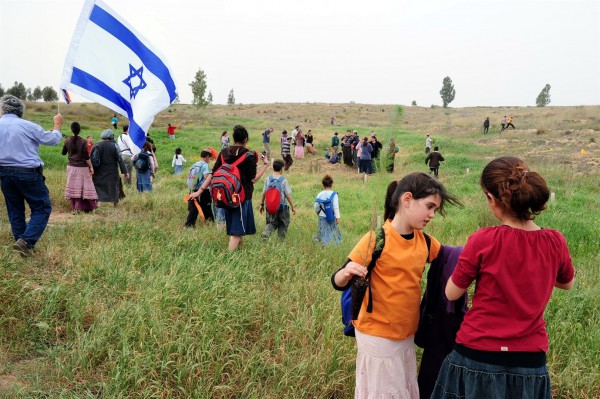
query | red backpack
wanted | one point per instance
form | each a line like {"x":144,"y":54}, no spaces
{"x":226,"y":185}
{"x":274,"y":197}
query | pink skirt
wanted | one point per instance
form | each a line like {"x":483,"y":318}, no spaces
{"x":299,"y":151}
{"x":385,"y":369}
{"x":80,"y":185}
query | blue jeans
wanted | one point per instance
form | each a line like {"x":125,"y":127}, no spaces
{"x":461,"y":377}
{"x":19,"y":187}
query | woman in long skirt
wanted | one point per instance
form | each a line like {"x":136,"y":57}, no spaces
{"x":80,"y":186}
{"x":299,"y":149}
{"x":106,"y":175}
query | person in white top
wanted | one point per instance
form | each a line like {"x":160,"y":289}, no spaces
{"x":294,"y":134}
{"x":178,"y":161}
{"x":125,"y":145}
{"x":327,"y":208}
{"x":428,"y":142}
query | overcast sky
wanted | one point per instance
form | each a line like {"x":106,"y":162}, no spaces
{"x":380,"y":51}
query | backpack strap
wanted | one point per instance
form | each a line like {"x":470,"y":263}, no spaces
{"x":331,"y":196}
{"x":377,"y":251}
{"x":240,"y":159}
{"x":428,"y":241}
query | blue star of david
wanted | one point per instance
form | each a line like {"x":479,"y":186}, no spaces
{"x":133,"y":91}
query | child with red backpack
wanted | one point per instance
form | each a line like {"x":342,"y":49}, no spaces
{"x":276,"y":191}
{"x":232,"y":186}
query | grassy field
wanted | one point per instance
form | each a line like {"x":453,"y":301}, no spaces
{"x":126,"y":303}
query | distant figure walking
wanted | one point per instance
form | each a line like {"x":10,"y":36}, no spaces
{"x":433,"y":159}
{"x":224,"y":140}
{"x":178,"y":161}
{"x":299,"y":149}
{"x":391,"y":156}
{"x":377,"y":147}
{"x":510,"y":124}
{"x":125,"y":145}
{"x":366,"y":157}
{"x":332,"y":120}
{"x":486,"y":125}
{"x":503,"y":123}
{"x":310,"y":143}
{"x":266,"y":139}
{"x":327,"y":208}
{"x":80,"y":188}
{"x":286,"y":150}
{"x":347,"y":148}
{"x":114,"y":121}
{"x":335,"y":143}
{"x":90,"y":144}
{"x":144,"y":168}
{"x":171,"y":131}
{"x":428,"y":144}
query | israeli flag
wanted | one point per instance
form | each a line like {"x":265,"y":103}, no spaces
{"x":110,"y":63}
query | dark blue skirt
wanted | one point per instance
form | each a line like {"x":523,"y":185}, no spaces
{"x":461,"y":377}
{"x":240,"y":221}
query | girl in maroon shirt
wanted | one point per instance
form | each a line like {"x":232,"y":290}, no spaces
{"x":502,"y":343}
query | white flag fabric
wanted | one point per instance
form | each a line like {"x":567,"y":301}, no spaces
{"x":110,"y":63}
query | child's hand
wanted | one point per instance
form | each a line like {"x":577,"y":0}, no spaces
{"x":337,"y":221}
{"x":354,"y":269}
{"x":261,"y":209}
{"x":293,"y":211}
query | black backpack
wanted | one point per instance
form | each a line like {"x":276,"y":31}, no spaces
{"x":142,"y":163}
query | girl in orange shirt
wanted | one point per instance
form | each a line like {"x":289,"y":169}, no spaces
{"x":386,"y":363}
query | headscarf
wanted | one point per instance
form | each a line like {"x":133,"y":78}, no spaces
{"x":12,"y":105}
{"x":107,"y":134}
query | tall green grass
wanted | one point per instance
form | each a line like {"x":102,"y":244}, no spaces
{"x":126,"y":303}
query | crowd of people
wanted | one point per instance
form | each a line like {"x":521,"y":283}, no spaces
{"x":496,"y":349}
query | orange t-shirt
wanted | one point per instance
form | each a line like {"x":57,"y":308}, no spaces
{"x":395,"y":283}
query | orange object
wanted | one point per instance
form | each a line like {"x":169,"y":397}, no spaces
{"x":213,"y":153}
{"x":396,"y":283}
{"x":186,"y":199}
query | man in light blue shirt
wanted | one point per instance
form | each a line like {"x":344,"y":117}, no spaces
{"x":21,"y":168}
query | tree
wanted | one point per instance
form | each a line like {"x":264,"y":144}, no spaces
{"x":49,"y":94}
{"x":37,"y":93}
{"x":199,"y":89}
{"x":543,"y":98}
{"x":1,"y":91}
{"x":230,"y":98}
{"x":18,"y":90}
{"x":447,"y":91}
{"x":209,"y":99}
{"x":414,"y":103}
{"x":30,"y":96}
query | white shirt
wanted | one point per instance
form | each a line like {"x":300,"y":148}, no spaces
{"x":178,"y":160}
{"x":428,"y":142}
{"x":125,"y":144}
{"x":294,"y":133}
{"x":325,"y":194}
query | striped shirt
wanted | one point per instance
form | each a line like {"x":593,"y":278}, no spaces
{"x":285,"y":147}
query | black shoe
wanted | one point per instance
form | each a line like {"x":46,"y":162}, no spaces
{"x":22,"y":248}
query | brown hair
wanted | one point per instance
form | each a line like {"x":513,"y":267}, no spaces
{"x":520,"y":191}
{"x":327,"y":181}
{"x":420,"y":185}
